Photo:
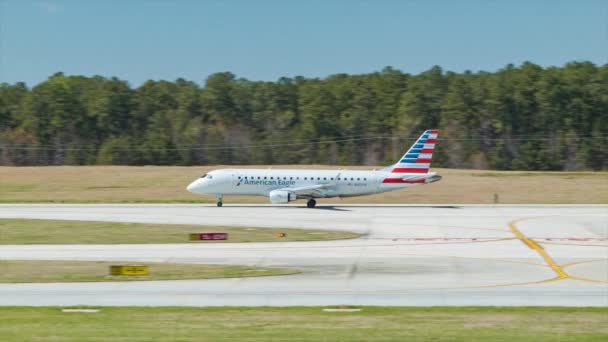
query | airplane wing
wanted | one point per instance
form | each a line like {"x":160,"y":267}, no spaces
{"x":317,"y":190}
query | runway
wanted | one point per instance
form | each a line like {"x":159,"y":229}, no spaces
{"x":419,"y":255}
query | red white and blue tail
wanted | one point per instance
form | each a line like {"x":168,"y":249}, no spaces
{"x":418,"y":158}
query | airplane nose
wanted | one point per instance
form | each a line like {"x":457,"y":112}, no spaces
{"x":192,"y":186}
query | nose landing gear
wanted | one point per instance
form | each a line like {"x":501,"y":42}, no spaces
{"x":219,"y":200}
{"x":311,"y":203}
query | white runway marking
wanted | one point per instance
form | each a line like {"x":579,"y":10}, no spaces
{"x":409,"y":255}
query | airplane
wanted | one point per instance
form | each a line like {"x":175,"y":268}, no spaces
{"x":285,"y":185}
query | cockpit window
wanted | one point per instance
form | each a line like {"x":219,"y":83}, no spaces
{"x":206,"y":175}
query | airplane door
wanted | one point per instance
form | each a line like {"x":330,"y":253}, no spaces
{"x":377,"y":180}
{"x":234,"y":179}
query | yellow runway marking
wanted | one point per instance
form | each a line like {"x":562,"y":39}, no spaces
{"x":589,"y":280}
{"x":582,"y":262}
{"x":559,"y":270}
{"x":572,"y":244}
{"x":585,"y":262}
{"x":539,"y":249}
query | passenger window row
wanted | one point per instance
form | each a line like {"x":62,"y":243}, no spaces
{"x":298,"y":178}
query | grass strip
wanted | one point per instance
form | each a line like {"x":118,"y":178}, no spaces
{"x":54,"y":271}
{"x":305,"y":324}
{"x":27,"y":231}
{"x":167,"y":184}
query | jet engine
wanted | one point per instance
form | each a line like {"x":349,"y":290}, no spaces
{"x":282,"y":196}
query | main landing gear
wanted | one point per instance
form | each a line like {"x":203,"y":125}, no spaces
{"x":311,"y":203}
{"x":219,"y":200}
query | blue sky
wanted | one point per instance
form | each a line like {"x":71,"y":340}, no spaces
{"x":138,"y":40}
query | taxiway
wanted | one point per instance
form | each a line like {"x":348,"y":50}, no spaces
{"x":408,"y":255}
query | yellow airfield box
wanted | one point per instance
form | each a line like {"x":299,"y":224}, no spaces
{"x":129,"y":270}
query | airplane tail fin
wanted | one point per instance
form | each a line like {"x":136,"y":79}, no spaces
{"x":418,"y":158}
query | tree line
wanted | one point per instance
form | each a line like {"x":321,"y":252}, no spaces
{"x":518,"y":118}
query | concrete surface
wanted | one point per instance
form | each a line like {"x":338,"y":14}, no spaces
{"x":409,"y":255}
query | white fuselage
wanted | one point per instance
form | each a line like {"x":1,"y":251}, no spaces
{"x":285,"y":185}
{"x":260,"y":182}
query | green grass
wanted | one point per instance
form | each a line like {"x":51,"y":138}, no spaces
{"x":55,"y":271}
{"x":26,"y":231}
{"x":305,"y":324}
